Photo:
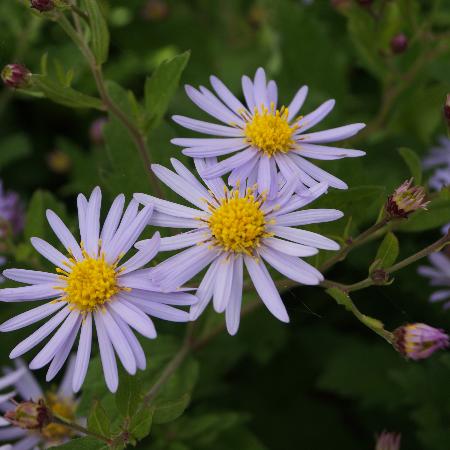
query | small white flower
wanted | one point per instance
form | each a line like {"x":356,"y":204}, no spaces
{"x":92,"y":286}
{"x":233,"y":228}
{"x":265,"y":138}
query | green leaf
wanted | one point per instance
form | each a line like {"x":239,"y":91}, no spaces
{"x":98,"y":420}
{"x":413,"y":162}
{"x":84,"y":443}
{"x":161,"y":86}
{"x":167,"y":411}
{"x":12,"y":148}
{"x":128,"y":396}
{"x":141,"y":423}
{"x":388,"y":251}
{"x":65,"y":95}
{"x":99,"y":31}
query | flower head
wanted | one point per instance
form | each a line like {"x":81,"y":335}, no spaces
{"x":405,"y":200}
{"x":12,"y":214}
{"x":91,"y":285}
{"x":233,"y":227}
{"x":16,"y":76}
{"x":264,"y":137}
{"x":419,"y":341}
{"x":28,"y":418}
{"x":388,"y":441}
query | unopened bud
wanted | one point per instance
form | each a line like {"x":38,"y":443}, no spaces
{"x":30,"y":415}
{"x":388,"y":441}
{"x":380,"y":276}
{"x":96,"y":131}
{"x":399,"y":43}
{"x":16,"y":76}
{"x":447,"y":110}
{"x":419,"y":341}
{"x":42,"y":5}
{"x":405,"y":200}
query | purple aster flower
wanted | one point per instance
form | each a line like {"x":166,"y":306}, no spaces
{"x":439,"y":160}
{"x":265,"y":138}
{"x":92,"y":287}
{"x":19,"y":429}
{"x":419,"y":341}
{"x":11,"y":212}
{"x":388,"y":441}
{"x":439,"y":275}
{"x":232,"y":228}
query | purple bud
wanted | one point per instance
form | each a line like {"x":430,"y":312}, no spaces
{"x":419,"y":341}
{"x":388,"y":441}
{"x":405,"y":200}
{"x":16,"y":76}
{"x":42,"y":5}
{"x":399,"y":43}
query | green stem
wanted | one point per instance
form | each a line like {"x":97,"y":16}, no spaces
{"x":359,"y":240}
{"x":97,"y":73}
{"x":80,"y":429}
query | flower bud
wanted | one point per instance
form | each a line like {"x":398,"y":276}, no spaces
{"x":96,"y":130}
{"x":419,"y":341}
{"x":16,"y":76}
{"x":42,"y":5}
{"x":380,"y":276}
{"x":388,"y":441}
{"x":30,"y":415}
{"x":405,"y":200}
{"x":399,"y":43}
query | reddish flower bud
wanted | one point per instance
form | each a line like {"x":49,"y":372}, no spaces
{"x":447,"y":110}
{"x":42,"y":5}
{"x":419,"y":341}
{"x":405,"y":200}
{"x":388,"y":441}
{"x":30,"y":415}
{"x":399,"y":43}
{"x":16,"y":76}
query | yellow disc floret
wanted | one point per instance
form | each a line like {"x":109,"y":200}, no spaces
{"x":238,"y":224}
{"x":90,"y":283}
{"x":64,"y":408}
{"x":269,"y":131}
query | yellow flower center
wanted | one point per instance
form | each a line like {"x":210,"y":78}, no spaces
{"x":61,"y":407}
{"x":269,"y":131}
{"x":238,"y":224}
{"x":90,"y":283}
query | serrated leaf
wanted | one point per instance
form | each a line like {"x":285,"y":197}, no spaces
{"x":128,"y":396}
{"x":98,"y":420}
{"x":161,"y":86}
{"x":388,"y":251}
{"x":141,"y":423}
{"x":413,"y":162}
{"x":65,"y":95}
{"x":99,"y":31}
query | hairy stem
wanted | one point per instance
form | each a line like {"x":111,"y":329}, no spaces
{"x":96,"y":69}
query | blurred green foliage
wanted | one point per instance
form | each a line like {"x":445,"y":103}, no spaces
{"x":323,"y":381}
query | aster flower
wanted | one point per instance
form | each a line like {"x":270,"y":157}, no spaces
{"x":419,"y":341}
{"x":388,"y":441}
{"x":264,"y":137}
{"x":439,"y":160}
{"x":11,"y":212}
{"x":232,"y":228}
{"x":439,"y":275}
{"x":26,"y":432}
{"x":92,"y":287}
